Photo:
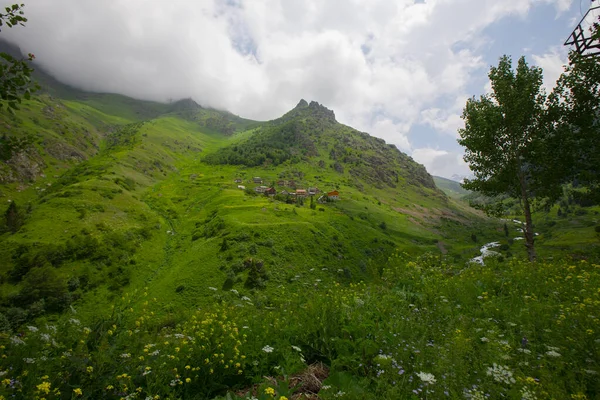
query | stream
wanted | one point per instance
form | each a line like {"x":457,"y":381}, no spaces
{"x":485,"y":249}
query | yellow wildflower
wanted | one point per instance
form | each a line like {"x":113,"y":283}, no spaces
{"x":270,"y":390}
{"x":44,"y":387}
{"x":78,"y":392}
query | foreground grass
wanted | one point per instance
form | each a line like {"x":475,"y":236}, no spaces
{"x":423,"y":329}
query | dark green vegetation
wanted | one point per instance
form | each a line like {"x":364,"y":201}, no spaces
{"x":15,"y":73}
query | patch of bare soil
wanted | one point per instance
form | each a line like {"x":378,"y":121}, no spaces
{"x":306,"y":384}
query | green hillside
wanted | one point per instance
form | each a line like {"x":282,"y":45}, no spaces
{"x":451,"y":188}
{"x":136,"y":235}
{"x":116,"y":193}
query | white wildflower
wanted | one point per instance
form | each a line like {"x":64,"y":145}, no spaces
{"x":16,"y":340}
{"x":29,"y":360}
{"x":268,"y":349}
{"x":527,"y":394}
{"x":235,"y":291}
{"x":474,"y":394}
{"x":553,"y":353}
{"x":501,"y":374}
{"x":245,"y":298}
{"x":526,"y":351}
{"x":32,"y":328}
{"x":427,"y":377}
{"x":325,"y":387}
{"x":484,"y":339}
{"x":298,"y":349}
{"x":126,"y":355}
{"x":339,"y":394}
{"x":74,"y":321}
{"x":213,"y":288}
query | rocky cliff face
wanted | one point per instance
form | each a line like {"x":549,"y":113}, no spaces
{"x":24,"y":166}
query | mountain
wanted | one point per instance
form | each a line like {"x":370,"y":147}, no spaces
{"x":451,"y":187}
{"x":114,"y":194}
{"x":309,"y":133}
{"x":460,"y":178}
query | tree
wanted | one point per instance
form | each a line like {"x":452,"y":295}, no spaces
{"x":12,"y":217}
{"x":575,"y":115}
{"x":15,"y":74}
{"x":504,"y":140}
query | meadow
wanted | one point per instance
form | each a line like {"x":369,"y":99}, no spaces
{"x":420,"y":328}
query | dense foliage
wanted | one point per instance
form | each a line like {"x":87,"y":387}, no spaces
{"x":15,"y":74}
{"x":423,"y":328}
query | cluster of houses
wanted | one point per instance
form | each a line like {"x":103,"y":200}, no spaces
{"x":296,"y":193}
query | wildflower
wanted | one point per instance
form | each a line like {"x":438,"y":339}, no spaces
{"x":32,"y":328}
{"x":283,"y":398}
{"x":125,"y":355}
{"x":426,"y":377}
{"x":484,"y":339}
{"x":44,"y":387}
{"x":213,"y":288}
{"x":78,"y":392}
{"x":553,"y":353}
{"x":270,"y":390}
{"x":268,"y":349}
{"x":501,"y":374}
{"x":29,"y":360}
{"x":188,"y":380}
{"x":16,"y":341}
{"x":74,"y":321}
{"x":474,"y":394}
{"x":527,"y":394}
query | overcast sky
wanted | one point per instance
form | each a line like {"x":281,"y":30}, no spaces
{"x":398,"y":69}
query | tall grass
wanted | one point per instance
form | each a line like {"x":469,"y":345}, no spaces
{"x":424,"y":329}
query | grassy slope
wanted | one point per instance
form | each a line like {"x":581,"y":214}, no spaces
{"x":450,"y":187}
{"x":172,"y":190}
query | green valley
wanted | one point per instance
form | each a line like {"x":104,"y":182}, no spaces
{"x":171,"y":250}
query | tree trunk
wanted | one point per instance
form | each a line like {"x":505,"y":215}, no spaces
{"x":529,"y":236}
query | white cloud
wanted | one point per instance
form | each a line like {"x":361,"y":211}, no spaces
{"x":382,"y":65}
{"x":552,"y":63}
{"x":441,"y":162}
